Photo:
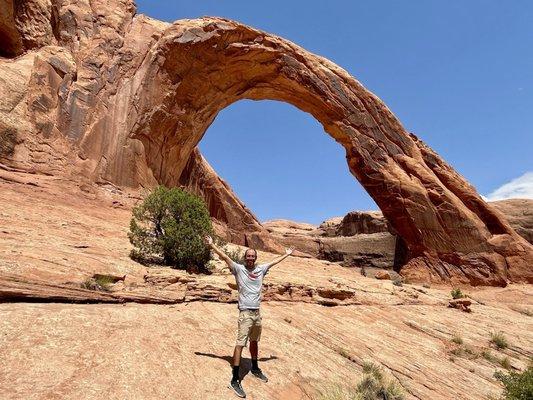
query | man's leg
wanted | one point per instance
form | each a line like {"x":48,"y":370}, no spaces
{"x":236,"y":362}
{"x":243,"y":331}
{"x":254,"y":351}
{"x":255,"y":335}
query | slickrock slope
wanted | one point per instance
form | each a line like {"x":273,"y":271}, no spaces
{"x":81,"y":231}
{"x":92,"y":89}
{"x":64,"y":351}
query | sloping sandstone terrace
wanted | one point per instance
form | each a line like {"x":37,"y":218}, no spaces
{"x":62,"y":351}
{"x":94,"y":89}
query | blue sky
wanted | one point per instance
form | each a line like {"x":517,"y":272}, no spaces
{"x":457,"y":73}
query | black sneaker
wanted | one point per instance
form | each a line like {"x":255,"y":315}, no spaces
{"x":259,"y":374}
{"x":237,"y":388}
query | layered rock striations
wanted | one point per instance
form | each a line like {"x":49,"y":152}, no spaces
{"x":360,"y":239}
{"x":519,"y":213}
{"x":91,"y":89}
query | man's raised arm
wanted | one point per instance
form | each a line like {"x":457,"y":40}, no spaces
{"x":221,"y":254}
{"x":288,"y":252}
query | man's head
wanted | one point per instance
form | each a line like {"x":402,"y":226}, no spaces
{"x":250,"y":255}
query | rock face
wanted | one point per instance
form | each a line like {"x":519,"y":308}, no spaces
{"x":362,"y":222}
{"x":519,"y":213}
{"x":94,"y":90}
{"x":142,"y":351}
{"x":169,"y":334}
{"x":366,"y":239}
{"x":363,"y":247}
{"x":303,"y":237}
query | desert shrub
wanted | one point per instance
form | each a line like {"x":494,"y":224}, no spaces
{"x":487,"y":355}
{"x":344,"y":353}
{"x":505,"y":362}
{"x":372,"y":386}
{"x":457,"y":339}
{"x":499,"y":340}
{"x":101,"y":283}
{"x":517,"y":385}
{"x":170,"y":224}
{"x":464,"y":351}
{"x":457,"y":294}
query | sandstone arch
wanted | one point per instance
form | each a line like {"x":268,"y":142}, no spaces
{"x":133,"y":96}
{"x":204,"y":65}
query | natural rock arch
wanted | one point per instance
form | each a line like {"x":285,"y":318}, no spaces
{"x":97,"y":91}
{"x":201,"y":66}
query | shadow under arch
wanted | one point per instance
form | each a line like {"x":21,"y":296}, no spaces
{"x":198,"y":67}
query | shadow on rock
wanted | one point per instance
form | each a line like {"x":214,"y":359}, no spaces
{"x":246,"y":363}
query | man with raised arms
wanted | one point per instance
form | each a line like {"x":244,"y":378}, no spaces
{"x":249,"y":278}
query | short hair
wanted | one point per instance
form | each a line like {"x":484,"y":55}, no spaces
{"x":254,"y":250}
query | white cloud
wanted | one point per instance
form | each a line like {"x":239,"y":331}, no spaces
{"x":521,"y":188}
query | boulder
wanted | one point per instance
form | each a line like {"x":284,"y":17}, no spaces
{"x":461,"y":304}
{"x":382,"y":275}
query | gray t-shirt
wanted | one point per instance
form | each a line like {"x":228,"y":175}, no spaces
{"x":249,"y":284}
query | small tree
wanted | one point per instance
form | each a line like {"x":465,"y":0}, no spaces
{"x":517,"y":385}
{"x":171,"y":224}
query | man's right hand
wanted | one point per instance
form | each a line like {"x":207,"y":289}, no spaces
{"x":208,"y":241}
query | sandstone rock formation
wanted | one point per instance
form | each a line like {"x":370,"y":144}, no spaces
{"x":519,"y":214}
{"x":92,"y":89}
{"x":138,"y":351}
{"x":362,"y":222}
{"x":361,"y":249}
{"x":302,"y":236}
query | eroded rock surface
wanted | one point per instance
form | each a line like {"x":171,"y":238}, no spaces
{"x":96,"y":90}
{"x":81,"y":233}
{"x":183,"y":351}
{"x":519,"y":213}
{"x":368,"y":243}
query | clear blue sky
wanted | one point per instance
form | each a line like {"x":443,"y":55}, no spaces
{"x":457,"y":73}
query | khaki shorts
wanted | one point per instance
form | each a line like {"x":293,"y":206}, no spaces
{"x":249,"y":327}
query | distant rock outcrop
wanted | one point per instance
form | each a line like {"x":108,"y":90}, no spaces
{"x":519,"y":213}
{"x":356,"y":222}
{"x":92,"y":90}
{"x":366,"y":239}
{"x":347,"y":240}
